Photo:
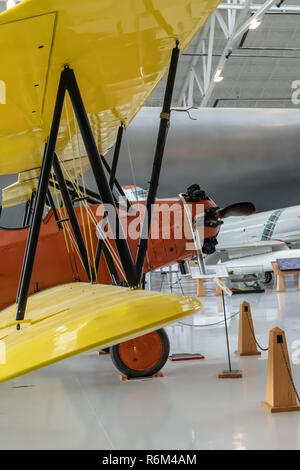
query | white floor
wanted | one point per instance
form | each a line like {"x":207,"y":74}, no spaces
{"x":81,"y":404}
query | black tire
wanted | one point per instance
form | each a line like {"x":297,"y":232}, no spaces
{"x":268,"y":277}
{"x":136,"y":373}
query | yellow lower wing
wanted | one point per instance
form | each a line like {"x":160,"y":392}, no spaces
{"x":72,"y":318}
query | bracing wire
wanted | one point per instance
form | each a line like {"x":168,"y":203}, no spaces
{"x":83,"y":203}
{"x":135,"y":187}
{"x":84,"y":190}
{"x":71,"y":245}
{"x":61,"y":215}
{"x":95,"y":222}
{"x":89,"y":212}
{"x":131,"y":164}
{"x":77,"y":186}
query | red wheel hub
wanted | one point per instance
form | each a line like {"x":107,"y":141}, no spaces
{"x":141,"y":353}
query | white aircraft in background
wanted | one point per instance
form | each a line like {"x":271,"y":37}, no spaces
{"x":257,"y":240}
{"x":249,"y":241}
{"x":135,"y":193}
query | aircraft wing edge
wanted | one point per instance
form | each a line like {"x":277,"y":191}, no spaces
{"x":70,"y":319}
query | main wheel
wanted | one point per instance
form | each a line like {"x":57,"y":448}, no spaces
{"x":143,"y":356}
{"x":268,"y":277}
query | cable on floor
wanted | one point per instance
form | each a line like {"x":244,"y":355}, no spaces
{"x":210,"y":324}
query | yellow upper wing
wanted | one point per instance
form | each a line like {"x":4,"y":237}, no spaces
{"x":77,"y":317}
{"x":119,"y":49}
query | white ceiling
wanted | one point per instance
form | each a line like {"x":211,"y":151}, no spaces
{"x":260,"y":70}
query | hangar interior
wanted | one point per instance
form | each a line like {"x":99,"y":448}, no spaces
{"x":234,"y":131}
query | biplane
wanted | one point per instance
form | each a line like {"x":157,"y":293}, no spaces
{"x":73,"y":75}
{"x":166,"y":244}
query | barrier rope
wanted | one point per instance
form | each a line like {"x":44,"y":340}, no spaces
{"x":289,"y":373}
{"x":253,"y":334}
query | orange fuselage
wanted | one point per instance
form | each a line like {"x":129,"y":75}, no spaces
{"x":56,"y":261}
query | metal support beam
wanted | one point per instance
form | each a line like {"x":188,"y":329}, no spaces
{"x":133,"y":273}
{"x":237,"y":30}
{"x":31,"y":207}
{"x":111,"y":266}
{"x":158,"y":157}
{"x":67,"y":82}
{"x":234,"y":19}
{"x":98,"y":171}
{"x":253,"y":7}
{"x":112,"y":179}
{"x":39,"y":205}
{"x":89,"y":269}
{"x":116,"y":182}
{"x":91,"y":196}
{"x":52,"y":205}
{"x":116,"y":157}
{"x":203,"y":34}
{"x":26,"y":213}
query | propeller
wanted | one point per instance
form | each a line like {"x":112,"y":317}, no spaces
{"x":213,"y":216}
{"x":239,"y":209}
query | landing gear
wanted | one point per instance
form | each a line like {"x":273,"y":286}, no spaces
{"x":143,"y":356}
{"x":268,"y":277}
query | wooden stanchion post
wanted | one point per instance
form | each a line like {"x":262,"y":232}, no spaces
{"x":218,"y":290}
{"x":280,"y":393}
{"x":200,"y":288}
{"x":280,"y":285}
{"x":246,"y":340}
